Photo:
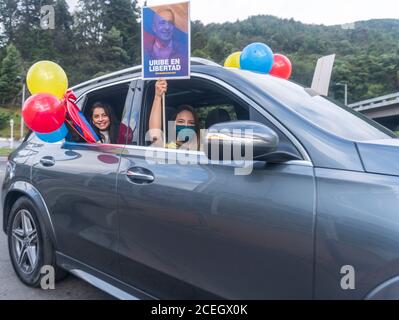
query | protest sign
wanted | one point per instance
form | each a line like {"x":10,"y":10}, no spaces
{"x":166,"y":41}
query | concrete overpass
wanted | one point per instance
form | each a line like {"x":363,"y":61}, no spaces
{"x":384,"y":110}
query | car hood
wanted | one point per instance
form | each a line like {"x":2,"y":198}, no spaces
{"x":380,"y":156}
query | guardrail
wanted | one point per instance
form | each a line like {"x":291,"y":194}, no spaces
{"x":379,"y":102}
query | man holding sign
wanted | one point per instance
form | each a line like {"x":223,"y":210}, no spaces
{"x":166,"y":41}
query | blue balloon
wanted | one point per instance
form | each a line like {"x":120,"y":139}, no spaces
{"x":257,"y":57}
{"x":54,"y":136}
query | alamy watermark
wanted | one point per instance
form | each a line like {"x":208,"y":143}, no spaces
{"x":228,"y":147}
{"x":348,"y":281}
{"x":47,"y":17}
{"x":47,"y":281}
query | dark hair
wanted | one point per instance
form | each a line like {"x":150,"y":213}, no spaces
{"x":186,"y":107}
{"x":113,"y":127}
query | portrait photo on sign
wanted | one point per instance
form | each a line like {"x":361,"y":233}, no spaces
{"x":166,"y":41}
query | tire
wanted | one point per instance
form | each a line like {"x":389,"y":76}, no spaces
{"x":29,"y":244}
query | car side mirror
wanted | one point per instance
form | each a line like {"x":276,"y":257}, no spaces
{"x":244,"y":140}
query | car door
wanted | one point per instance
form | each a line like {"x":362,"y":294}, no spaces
{"x":199,"y":230}
{"x":78,"y":184}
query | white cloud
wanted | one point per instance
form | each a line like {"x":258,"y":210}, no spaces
{"x":328,"y":12}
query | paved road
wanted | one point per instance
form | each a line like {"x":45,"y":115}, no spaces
{"x":12,"y":289}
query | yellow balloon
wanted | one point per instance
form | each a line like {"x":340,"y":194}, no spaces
{"x":47,"y":77}
{"x":233,"y":60}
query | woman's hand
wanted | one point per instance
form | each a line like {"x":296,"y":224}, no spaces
{"x":155,"y":124}
{"x":161,"y":87}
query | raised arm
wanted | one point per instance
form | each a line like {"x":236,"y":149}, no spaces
{"x":161,"y":87}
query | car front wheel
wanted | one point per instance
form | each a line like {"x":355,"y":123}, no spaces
{"x":29,"y":244}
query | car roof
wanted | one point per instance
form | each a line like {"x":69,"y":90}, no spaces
{"x":129,"y":72}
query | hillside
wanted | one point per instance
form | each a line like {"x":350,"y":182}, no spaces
{"x":101,"y":38}
{"x":367,"y":56}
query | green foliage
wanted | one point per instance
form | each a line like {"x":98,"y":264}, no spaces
{"x":107,"y":38}
{"x":367,"y":56}
{"x":7,"y":9}
{"x":10,"y":70}
{"x":112,"y":55}
{"x":122,"y":15}
{"x":5,"y":152}
{"x":104,"y":36}
{"x":5,"y":118}
{"x":6,"y":114}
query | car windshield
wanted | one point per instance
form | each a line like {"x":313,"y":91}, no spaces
{"x":339,"y":120}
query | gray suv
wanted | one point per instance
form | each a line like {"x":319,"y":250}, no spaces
{"x":317,"y":217}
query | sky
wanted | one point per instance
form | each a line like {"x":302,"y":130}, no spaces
{"x":328,"y":12}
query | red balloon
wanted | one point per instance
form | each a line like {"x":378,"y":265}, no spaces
{"x":282,"y":67}
{"x":43,"y":113}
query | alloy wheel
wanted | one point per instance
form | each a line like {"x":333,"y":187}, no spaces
{"x":25,"y":244}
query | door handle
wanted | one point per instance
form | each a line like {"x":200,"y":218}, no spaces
{"x":140,"y":175}
{"x":47,"y":161}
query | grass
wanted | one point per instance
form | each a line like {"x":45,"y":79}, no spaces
{"x":5,"y":132}
{"x":15,"y":113}
{"x":4,"y":152}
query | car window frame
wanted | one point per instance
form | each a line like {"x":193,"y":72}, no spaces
{"x":82,"y":99}
{"x":307,"y":93}
{"x":138,"y":104}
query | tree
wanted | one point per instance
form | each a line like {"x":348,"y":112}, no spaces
{"x":123,"y":15}
{"x":198,"y":38}
{"x":62,"y":37}
{"x":107,"y":36}
{"x":64,"y":23}
{"x":32,"y":42}
{"x":10,"y":70}
{"x":112,"y":55}
{"x":105,"y":31}
{"x":90,"y":26}
{"x":8,"y":9}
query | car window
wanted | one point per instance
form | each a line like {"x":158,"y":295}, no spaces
{"x":228,"y":111}
{"x":339,"y":120}
{"x":212,"y":103}
{"x":112,"y":101}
